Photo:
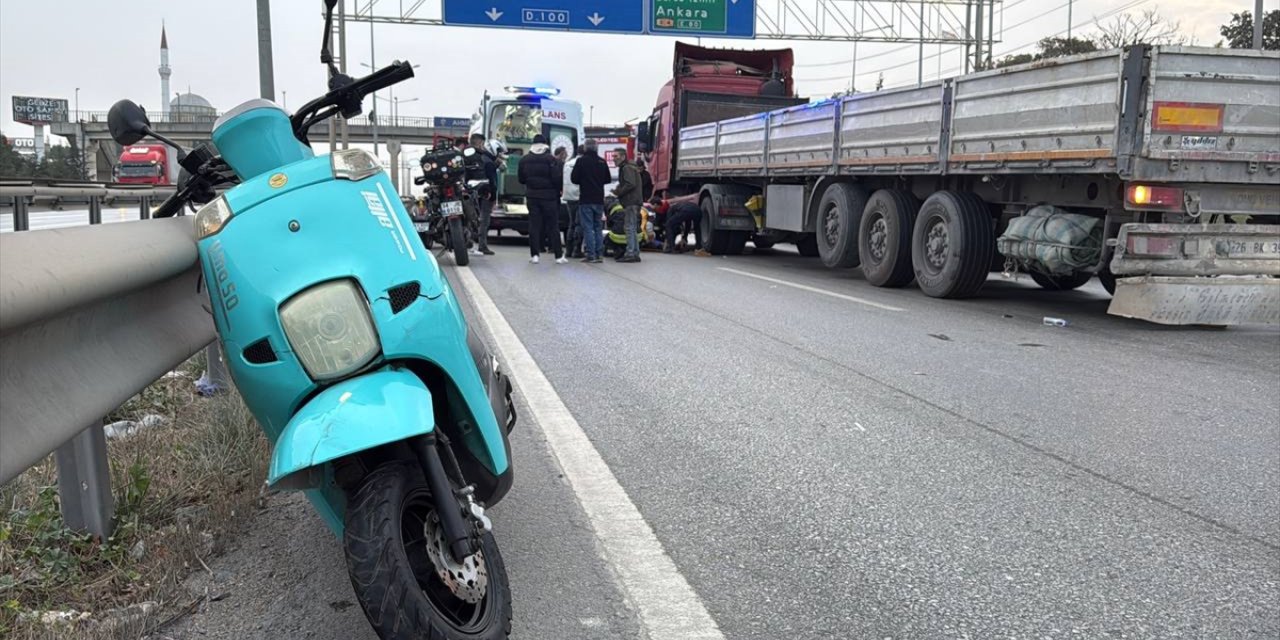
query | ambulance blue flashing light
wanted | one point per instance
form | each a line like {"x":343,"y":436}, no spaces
{"x":542,"y":91}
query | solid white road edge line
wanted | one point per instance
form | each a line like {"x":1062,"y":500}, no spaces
{"x":812,"y":289}
{"x":668,"y":607}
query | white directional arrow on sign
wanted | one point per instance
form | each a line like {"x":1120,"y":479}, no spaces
{"x":493,"y":14}
{"x":595,"y":19}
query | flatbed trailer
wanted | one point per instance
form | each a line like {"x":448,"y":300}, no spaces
{"x":1174,"y":153}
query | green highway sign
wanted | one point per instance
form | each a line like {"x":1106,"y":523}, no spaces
{"x":710,"y":18}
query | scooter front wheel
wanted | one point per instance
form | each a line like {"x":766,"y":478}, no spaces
{"x":403,"y":574}
{"x":458,"y":239}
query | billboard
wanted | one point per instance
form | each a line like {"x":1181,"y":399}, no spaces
{"x":33,"y":111}
{"x":24,"y":146}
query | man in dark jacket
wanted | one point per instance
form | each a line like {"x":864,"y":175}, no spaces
{"x":591,"y":174}
{"x":487,"y":195}
{"x":542,"y":177}
{"x":628,"y":192}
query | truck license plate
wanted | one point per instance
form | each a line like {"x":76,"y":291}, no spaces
{"x":421,"y":227}
{"x":451,"y":208}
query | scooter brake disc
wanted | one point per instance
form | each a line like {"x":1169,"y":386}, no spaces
{"x":468,"y":580}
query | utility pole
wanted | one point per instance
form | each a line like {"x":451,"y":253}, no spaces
{"x":977,"y":48}
{"x":266,"y":74}
{"x":342,"y":60}
{"x":373,"y":64}
{"x":1258,"y":17}
{"x":1069,"y":2}
{"x":920,"y":55}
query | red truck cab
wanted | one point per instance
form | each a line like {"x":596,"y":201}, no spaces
{"x":143,"y":164}
{"x":709,"y":85}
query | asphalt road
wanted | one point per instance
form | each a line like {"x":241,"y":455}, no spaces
{"x":823,"y":459}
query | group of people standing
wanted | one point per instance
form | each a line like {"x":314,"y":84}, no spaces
{"x":580,"y":182}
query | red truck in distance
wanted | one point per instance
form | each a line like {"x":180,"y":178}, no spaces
{"x":143,"y":164}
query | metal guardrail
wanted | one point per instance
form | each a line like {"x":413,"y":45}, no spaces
{"x":21,"y":191}
{"x":89,"y":316}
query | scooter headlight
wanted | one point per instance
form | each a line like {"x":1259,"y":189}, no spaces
{"x":211,"y":217}
{"x":330,"y":329}
{"x":353,"y":164}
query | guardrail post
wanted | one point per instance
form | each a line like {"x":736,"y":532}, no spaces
{"x":21,"y":217}
{"x":84,"y":482}
{"x":144,"y":208}
{"x":95,"y":210}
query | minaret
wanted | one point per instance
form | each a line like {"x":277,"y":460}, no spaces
{"x":164,"y":71}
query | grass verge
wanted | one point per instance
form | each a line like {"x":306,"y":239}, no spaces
{"x":180,"y":487}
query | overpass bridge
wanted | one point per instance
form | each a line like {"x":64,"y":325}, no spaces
{"x":101,"y":152}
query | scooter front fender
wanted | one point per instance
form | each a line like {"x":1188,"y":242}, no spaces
{"x":354,"y":415}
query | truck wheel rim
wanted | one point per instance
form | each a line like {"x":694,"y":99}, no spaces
{"x":879,"y":239}
{"x":831,"y":225}
{"x":936,"y":245}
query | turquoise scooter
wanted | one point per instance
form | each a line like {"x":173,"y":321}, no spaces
{"x":348,"y":345}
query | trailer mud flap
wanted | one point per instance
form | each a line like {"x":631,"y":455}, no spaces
{"x":1220,"y":301}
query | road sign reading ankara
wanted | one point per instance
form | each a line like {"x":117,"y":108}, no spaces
{"x":599,"y":16}
{"x":706,"y":18}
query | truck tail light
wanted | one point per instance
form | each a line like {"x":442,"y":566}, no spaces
{"x":1145,"y":196}
{"x":1187,"y":117}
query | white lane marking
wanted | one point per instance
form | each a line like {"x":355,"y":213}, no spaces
{"x":391,"y":212}
{"x":805,"y":287}
{"x":669,"y":608}
{"x":859,"y":426}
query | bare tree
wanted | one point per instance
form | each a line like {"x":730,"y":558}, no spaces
{"x":1129,"y":29}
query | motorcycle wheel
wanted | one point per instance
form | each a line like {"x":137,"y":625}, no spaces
{"x":458,"y":241}
{"x":394,"y":557}
{"x":426,"y":240}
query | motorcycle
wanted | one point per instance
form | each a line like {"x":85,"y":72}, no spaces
{"x":349,"y":346}
{"x":451,"y":213}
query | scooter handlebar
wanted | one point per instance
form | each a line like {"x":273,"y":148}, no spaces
{"x":382,"y":78}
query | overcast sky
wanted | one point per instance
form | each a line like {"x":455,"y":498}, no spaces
{"x":110,"y":49}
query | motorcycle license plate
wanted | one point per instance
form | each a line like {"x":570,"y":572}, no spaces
{"x":451,"y":208}
{"x":421,"y":227}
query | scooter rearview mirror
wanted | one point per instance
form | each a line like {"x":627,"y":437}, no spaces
{"x":127,"y":122}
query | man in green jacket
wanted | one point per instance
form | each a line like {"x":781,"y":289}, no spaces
{"x":629,"y":192}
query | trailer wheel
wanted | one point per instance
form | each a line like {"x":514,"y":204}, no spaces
{"x":952,"y":244}
{"x":721,"y":242}
{"x":884,"y":238}
{"x":839,"y":212}
{"x":1061,"y":283}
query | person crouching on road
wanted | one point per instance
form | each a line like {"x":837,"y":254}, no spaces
{"x":591,"y":174}
{"x":542,"y":177}
{"x":679,"y":216}
{"x":628,"y":193}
